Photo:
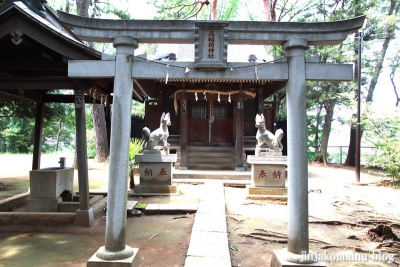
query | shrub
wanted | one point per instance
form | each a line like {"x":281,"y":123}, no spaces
{"x":384,"y":133}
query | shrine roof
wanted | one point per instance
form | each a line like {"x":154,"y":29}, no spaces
{"x":49,"y":22}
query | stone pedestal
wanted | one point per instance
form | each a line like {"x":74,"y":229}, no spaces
{"x":131,"y":261}
{"x":155,"y":173}
{"x":283,"y":258}
{"x":46,"y":187}
{"x":84,"y":218}
{"x":268,"y":175}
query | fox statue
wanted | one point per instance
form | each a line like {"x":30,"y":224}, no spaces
{"x":264,"y":136}
{"x":151,"y":139}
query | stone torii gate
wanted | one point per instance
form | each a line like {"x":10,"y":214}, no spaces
{"x":295,"y":38}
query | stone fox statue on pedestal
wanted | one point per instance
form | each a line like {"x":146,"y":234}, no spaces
{"x":266,"y":137}
{"x":151,"y":139}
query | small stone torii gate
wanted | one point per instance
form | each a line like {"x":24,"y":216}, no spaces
{"x":295,"y":38}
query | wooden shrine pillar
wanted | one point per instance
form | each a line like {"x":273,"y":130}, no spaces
{"x":107,"y":112}
{"x":37,"y":140}
{"x":160,"y":106}
{"x":239,"y":131}
{"x":184,"y":130}
{"x":260,"y":101}
{"x":84,"y":215}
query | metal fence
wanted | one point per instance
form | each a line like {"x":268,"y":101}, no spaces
{"x":338,"y":154}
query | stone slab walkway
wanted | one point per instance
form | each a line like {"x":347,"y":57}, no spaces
{"x":153,"y":209}
{"x":209,"y":240}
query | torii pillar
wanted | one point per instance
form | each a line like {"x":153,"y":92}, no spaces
{"x":297,"y":146}
{"x":116,"y":252}
{"x":298,"y":239}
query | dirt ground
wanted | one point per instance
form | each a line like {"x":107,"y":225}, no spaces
{"x":163,"y":240}
{"x":331,"y":198}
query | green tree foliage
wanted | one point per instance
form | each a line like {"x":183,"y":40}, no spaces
{"x":17,"y":136}
{"x":18,"y":120}
{"x":59,"y":130}
{"x":383,"y":132}
{"x":324,"y":97}
{"x":11,"y":106}
{"x":138,"y":109}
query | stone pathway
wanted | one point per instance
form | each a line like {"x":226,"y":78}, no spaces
{"x":209,"y":240}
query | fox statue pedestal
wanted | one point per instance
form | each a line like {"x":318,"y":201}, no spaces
{"x":155,"y":173}
{"x":268,"y":175}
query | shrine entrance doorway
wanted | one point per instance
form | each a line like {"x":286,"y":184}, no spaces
{"x":210,"y":121}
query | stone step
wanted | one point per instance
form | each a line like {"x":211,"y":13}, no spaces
{"x":211,"y":154}
{"x":276,"y":199}
{"x":210,"y":166}
{"x":267,"y":191}
{"x":217,"y":175}
{"x":210,"y":149}
{"x":211,"y":160}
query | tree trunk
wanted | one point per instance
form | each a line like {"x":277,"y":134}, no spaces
{"x":58,"y":136}
{"x":100,"y":135}
{"x":351,"y":153}
{"x":394,"y":88}
{"x":273,"y":10}
{"x":213,"y":9}
{"x":267,"y":10}
{"x":329,"y":107}
{"x":82,"y":7}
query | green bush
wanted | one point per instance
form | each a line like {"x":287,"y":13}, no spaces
{"x":91,"y":153}
{"x":387,"y":157}
{"x":91,"y":144}
{"x":135,"y":147}
{"x":310,"y":156}
{"x":384,"y":133}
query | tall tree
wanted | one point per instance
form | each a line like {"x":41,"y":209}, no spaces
{"x":102,"y":149}
{"x":99,"y":8}
{"x":379,"y":28}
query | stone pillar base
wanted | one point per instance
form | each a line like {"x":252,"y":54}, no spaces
{"x":155,"y":190}
{"x":240,"y":169}
{"x":84,"y":218}
{"x":132,"y":261}
{"x":279,"y":259}
{"x":359,"y":184}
